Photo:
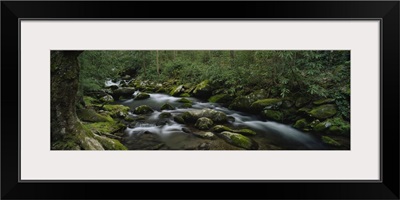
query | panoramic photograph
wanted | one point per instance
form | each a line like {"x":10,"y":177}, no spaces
{"x":200,"y":100}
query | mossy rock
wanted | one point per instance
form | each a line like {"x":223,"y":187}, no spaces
{"x":243,"y":103}
{"x":272,"y":115}
{"x":245,"y":131}
{"x":215,"y":116}
{"x":301,"y":101}
{"x":301,"y":124}
{"x":179,"y":119}
{"x":321,"y":127}
{"x":105,"y":127}
{"x":110,"y":144}
{"x":143,"y":109}
{"x":262,"y":104}
{"x":89,"y":101}
{"x":89,"y":115}
{"x":142,"y":95}
{"x":220,"y":98}
{"x":220,"y":128}
{"x":323,"y":111}
{"x":287,"y":104}
{"x":167,"y":106}
{"x":238,"y":140}
{"x":329,"y":141}
{"x":203,"y":123}
{"x":107,"y":98}
{"x":304,"y":110}
{"x":185,"y":95}
{"x":117,"y":110}
{"x":203,"y":90}
{"x":176,"y":91}
{"x":204,"y":135}
{"x":124,"y":92}
{"x":165,"y":115}
{"x":184,"y":100}
{"x":186,"y":105}
{"x":323,"y":101}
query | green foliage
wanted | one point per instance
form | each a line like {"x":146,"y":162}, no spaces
{"x":285,"y":74}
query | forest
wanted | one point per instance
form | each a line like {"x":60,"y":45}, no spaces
{"x":200,"y":100}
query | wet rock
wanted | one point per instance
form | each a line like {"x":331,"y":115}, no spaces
{"x":323,"y":111}
{"x":262,"y":104}
{"x":186,"y":130}
{"x":238,"y":140}
{"x":220,"y":98}
{"x":243,"y":103}
{"x":177,"y":91}
{"x":142,"y":95}
{"x":220,"y":128}
{"x":125,"y":92}
{"x":179,"y":119}
{"x":117,"y":110}
{"x":272,"y":115}
{"x":301,"y":102}
{"x":204,"y":146}
{"x":165,"y":115}
{"x":215,"y":116}
{"x":245,"y":131}
{"x":204,"y":123}
{"x":301,"y":124}
{"x":323,"y":101}
{"x":143,"y":109}
{"x":184,"y":100}
{"x":89,"y":115}
{"x":107,"y":99}
{"x":329,"y":141}
{"x":204,"y":135}
{"x":203,"y":90}
{"x":167,"y":106}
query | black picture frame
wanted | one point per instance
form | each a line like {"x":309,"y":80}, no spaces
{"x":386,"y":11}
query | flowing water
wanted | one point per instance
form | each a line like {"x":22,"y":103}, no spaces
{"x":154,"y":132}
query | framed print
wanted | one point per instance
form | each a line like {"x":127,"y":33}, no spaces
{"x":114,"y":94}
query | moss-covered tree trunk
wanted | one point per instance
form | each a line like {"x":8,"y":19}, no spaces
{"x":67,"y":131}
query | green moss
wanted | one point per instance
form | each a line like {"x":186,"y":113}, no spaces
{"x":143,"y":109}
{"x":301,"y":124}
{"x":259,"y":105}
{"x":186,"y":105}
{"x":219,"y":98}
{"x":142,"y":95}
{"x":323,"y":101}
{"x":105,"y":127}
{"x":273,"y":115}
{"x":323,"y":111}
{"x":165,"y":115}
{"x":204,"y":123}
{"x":89,"y":101}
{"x":176,"y":91}
{"x":245,"y":131}
{"x":89,"y":115}
{"x":67,"y":143}
{"x":220,"y":128}
{"x":185,"y":95}
{"x":320,"y":127}
{"x":237,"y":140}
{"x":167,"y":106}
{"x":117,"y":110}
{"x":330,"y":141}
{"x":110,"y":144}
{"x":179,"y":119}
{"x":184,"y":100}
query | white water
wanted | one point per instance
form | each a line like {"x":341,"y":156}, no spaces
{"x":279,"y":134}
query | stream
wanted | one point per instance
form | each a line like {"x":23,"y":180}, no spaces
{"x":153,"y":132}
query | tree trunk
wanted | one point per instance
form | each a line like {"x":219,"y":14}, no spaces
{"x":67,"y":131}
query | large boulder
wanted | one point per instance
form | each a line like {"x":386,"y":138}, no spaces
{"x":203,"y":123}
{"x":220,"y":98}
{"x":203,"y":90}
{"x":262,"y":104}
{"x":215,"y":116}
{"x":273,"y":115}
{"x":143,"y":109}
{"x":323,"y":111}
{"x":177,"y":91}
{"x":243,"y":103}
{"x":125,"y":92}
{"x":167,"y":106}
{"x":89,"y":115}
{"x":238,"y":140}
{"x":142,"y":95}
